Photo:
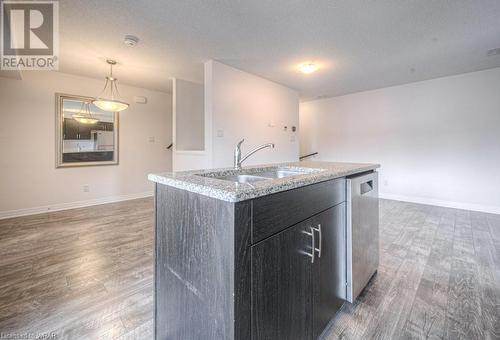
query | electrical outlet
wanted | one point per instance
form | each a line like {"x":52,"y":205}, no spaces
{"x":220,"y":133}
{"x":386,"y":183}
{"x":152,"y":139}
{"x":86,"y":188}
{"x":493,"y":52}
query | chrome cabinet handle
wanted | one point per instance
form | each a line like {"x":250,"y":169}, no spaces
{"x":318,"y":229}
{"x":313,"y":244}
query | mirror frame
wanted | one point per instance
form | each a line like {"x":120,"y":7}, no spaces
{"x":59,"y":134}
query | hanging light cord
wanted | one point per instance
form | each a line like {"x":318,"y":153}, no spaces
{"x":113,"y":87}
{"x":116,"y":90}
{"x":113,"y":84}
{"x":104,"y":89}
{"x":88,"y":112}
{"x":111,"y":101}
{"x":112,"y":80}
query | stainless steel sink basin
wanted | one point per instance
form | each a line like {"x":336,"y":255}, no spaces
{"x":280,"y":173}
{"x":243,"y":178}
{"x":251,"y":176}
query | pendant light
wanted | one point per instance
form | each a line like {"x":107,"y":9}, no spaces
{"x":85,"y":116}
{"x":110,"y":103}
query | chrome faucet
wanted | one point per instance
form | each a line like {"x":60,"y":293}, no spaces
{"x":237,"y":153}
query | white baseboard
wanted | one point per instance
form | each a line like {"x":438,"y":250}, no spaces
{"x":72,"y":205}
{"x":112,"y":199}
{"x":441,"y":203}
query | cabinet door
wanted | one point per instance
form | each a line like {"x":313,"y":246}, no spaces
{"x":109,"y":126}
{"x":329,"y":268}
{"x":281,"y":285}
{"x":84,"y":131}
{"x":70,"y":129}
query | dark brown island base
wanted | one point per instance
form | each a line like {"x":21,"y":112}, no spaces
{"x":262,"y":260}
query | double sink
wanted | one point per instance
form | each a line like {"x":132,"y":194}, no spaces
{"x":252,"y":176}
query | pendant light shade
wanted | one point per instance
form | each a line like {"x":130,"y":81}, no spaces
{"x":110,"y":105}
{"x":109,"y":99}
{"x":85,"y":116}
{"x":85,"y":120}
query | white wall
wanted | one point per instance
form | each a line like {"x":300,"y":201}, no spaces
{"x":29,"y":181}
{"x":189,"y":117}
{"x":241,"y":105}
{"x":438,"y":141}
{"x":189,"y":126}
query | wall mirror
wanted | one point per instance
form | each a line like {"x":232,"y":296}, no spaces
{"x":85,"y":134}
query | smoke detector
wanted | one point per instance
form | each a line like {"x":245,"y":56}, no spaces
{"x":130,"y":40}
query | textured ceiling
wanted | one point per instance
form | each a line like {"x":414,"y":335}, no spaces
{"x":360,"y":45}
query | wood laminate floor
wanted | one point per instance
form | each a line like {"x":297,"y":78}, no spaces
{"x":88,"y":274}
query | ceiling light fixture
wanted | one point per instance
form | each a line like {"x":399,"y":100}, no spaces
{"x":110,"y":103}
{"x":85,"y":115}
{"x":308,"y":67}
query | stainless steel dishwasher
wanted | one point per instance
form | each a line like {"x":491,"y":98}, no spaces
{"x":362,"y":236}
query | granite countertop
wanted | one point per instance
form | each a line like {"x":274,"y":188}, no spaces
{"x":204,"y":183}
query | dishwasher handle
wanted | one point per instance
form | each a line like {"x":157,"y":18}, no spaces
{"x":366,"y":187}
{"x":362,"y":185}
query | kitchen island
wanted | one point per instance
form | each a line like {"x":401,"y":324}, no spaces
{"x":255,"y":253}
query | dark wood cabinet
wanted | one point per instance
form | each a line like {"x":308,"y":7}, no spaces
{"x":281,"y":286}
{"x":220,"y":274}
{"x":104,"y":126}
{"x":75,"y":130}
{"x":329,"y":268}
{"x":278,"y":211}
{"x":84,"y":131}
{"x":295,"y":295}
{"x":70,"y":129}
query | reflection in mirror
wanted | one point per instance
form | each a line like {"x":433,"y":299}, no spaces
{"x":86,"y":135}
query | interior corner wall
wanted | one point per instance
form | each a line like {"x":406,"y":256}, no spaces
{"x":189,"y":126}
{"x":240,"y":105}
{"x":188,"y":106}
{"x":29,"y":180}
{"x":438,"y":141}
